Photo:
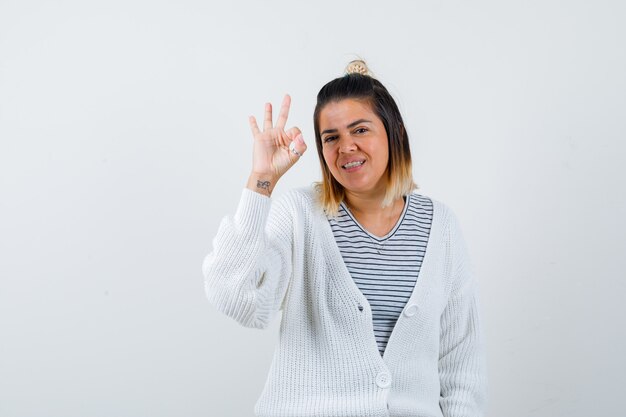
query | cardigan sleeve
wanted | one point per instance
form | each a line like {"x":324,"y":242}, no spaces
{"x":247,"y":273}
{"x":462,"y":369}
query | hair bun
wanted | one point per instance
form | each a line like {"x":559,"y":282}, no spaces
{"x":357,"y":66}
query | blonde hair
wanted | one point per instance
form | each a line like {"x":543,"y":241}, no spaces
{"x":358,"y":84}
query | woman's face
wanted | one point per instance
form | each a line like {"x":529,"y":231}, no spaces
{"x":355,"y":146}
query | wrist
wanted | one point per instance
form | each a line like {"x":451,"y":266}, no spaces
{"x":262,"y":183}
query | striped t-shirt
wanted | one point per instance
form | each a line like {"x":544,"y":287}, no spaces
{"x":386,"y":268}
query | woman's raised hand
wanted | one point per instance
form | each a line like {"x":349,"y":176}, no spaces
{"x":275,"y":150}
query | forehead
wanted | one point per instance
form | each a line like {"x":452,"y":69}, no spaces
{"x":338,"y":114}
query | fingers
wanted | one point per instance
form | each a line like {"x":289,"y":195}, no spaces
{"x":267,"y":122}
{"x":286,"y":138}
{"x":297,"y":147}
{"x":254,"y":126}
{"x":280,"y":123}
{"x":282,"y":139}
{"x":284,"y":112}
{"x":293,"y":132}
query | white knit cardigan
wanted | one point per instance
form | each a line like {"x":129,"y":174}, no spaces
{"x":280,"y":254}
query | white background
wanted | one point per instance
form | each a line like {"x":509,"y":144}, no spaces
{"x":124,"y":141}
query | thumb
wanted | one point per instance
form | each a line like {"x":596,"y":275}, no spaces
{"x":297,"y":147}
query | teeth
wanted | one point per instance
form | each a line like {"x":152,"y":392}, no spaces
{"x":353,"y":164}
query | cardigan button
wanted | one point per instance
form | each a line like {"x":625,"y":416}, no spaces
{"x":410,"y":310}
{"x":383,"y":380}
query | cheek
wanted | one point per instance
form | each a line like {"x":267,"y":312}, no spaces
{"x":384,"y":146}
{"x":328,"y":157}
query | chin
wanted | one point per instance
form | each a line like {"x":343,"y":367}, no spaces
{"x":358,"y":189}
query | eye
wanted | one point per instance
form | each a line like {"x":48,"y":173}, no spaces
{"x":329,"y":139}
{"x":360,"y":130}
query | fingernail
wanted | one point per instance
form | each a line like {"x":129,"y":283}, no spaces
{"x":299,"y":138}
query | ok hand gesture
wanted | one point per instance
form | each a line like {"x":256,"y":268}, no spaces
{"x":275,"y":150}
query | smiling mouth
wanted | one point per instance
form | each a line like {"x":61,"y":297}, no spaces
{"x":353,"y":164}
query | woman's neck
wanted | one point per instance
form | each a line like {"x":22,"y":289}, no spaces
{"x":370,"y":213}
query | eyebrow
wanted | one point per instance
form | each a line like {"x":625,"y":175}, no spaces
{"x":356,"y":122}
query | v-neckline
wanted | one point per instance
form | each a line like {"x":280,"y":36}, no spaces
{"x":388,"y":234}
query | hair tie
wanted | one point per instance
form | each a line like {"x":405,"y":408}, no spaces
{"x":357,"y":66}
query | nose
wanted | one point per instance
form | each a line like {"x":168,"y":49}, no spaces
{"x":346,"y":144}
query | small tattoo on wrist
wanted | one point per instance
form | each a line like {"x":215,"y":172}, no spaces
{"x":263,"y":184}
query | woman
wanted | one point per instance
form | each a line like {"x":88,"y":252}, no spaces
{"x":380,"y":311}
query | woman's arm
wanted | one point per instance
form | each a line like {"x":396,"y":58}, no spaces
{"x":248,"y":271}
{"x":462,"y":370}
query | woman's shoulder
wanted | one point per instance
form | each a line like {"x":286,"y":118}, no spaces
{"x":419,"y":199}
{"x":441,"y":211}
